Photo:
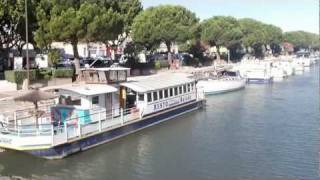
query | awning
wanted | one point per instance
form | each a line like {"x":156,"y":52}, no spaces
{"x":158,"y":82}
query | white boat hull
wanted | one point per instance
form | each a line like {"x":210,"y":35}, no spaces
{"x":221,"y":86}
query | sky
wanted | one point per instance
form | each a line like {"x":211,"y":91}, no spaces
{"x":289,"y":15}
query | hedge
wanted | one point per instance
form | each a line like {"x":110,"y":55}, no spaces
{"x":17,"y":76}
{"x":63,"y":73}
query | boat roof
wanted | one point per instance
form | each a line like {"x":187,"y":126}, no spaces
{"x":88,"y":89}
{"x":108,"y":69}
{"x":158,"y":82}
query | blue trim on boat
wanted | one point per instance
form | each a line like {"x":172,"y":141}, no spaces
{"x":67,"y":149}
{"x":259,"y":81}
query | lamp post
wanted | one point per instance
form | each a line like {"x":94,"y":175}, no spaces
{"x":27,"y":43}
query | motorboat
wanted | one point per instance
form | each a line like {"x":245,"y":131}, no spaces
{"x":227,"y":81}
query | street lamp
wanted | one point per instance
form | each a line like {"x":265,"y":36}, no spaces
{"x":27,"y":43}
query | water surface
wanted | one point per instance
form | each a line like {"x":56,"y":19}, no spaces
{"x":262,"y":132}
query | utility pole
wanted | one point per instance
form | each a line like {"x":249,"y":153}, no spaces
{"x":27,"y":43}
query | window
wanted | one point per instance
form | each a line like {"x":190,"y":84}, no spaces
{"x":192,"y":87}
{"x":149,"y":97}
{"x":171,"y":92}
{"x":184,"y":88}
{"x":166,"y":93}
{"x":155,"y":96}
{"x":116,"y":76}
{"x":188,"y":86}
{"x":141,"y":97}
{"x":122,"y":75}
{"x":161,"y":94}
{"x":95,"y":100}
{"x":175,"y":91}
{"x":70,"y":101}
{"x":180,"y":89}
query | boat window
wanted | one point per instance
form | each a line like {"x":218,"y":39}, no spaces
{"x":171,"y":92}
{"x":188,"y":86}
{"x":184,"y":88}
{"x":149,"y":97}
{"x":161,"y":94}
{"x":180,"y":89}
{"x":74,"y":101}
{"x":155,"y":96}
{"x":166,"y":93}
{"x":95,"y":100}
{"x":192,"y":86}
{"x":141,"y":97}
{"x":175,"y":91}
{"x":122,"y":75}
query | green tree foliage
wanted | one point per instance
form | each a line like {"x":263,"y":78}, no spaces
{"x":163,"y":23}
{"x":254,"y":35}
{"x":53,"y":56}
{"x":106,"y":26}
{"x":12,"y":23}
{"x":302,"y":39}
{"x":73,"y":21}
{"x":274,"y":37}
{"x":42,"y":34}
{"x":221,"y":31}
{"x":115,"y":24}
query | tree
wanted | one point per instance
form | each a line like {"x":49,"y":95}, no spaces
{"x":302,"y":39}
{"x":115,"y":24}
{"x":69,"y":23}
{"x":273,"y":35}
{"x":42,"y":35}
{"x":254,"y":35}
{"x":165,"y":23}
{"x":53,"y":56}
{"x":221,"y":31}
{"x":12,"y":23}
{"x":106,"y":26}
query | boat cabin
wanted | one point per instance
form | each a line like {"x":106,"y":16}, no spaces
{"x":80,"y":101}
{"x":157,"y":93}
{"x":105,"y":75}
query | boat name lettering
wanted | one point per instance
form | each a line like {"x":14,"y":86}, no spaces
{"x":171,"y":103}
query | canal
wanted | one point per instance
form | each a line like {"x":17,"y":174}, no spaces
{"x":262,"y":132}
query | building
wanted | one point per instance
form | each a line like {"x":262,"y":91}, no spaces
{"x":84,"y":49}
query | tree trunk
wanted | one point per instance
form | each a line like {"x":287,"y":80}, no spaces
{"x":218,"y":53}
{"x":266,"y":49}
{"x":170,"y":61}
{"x":76,"y":58}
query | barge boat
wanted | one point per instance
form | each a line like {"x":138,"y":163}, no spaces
{"x":87,"y":115}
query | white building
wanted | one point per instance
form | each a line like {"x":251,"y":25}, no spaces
{"x":84,"y":49}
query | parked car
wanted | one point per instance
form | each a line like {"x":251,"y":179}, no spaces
{"x":96,"y":62}
{"x":67,"y":64}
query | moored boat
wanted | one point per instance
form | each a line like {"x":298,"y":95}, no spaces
{"x":255,"y":71}
{"x":87,"y":115}
{"x":229,"y":81}
{"x":277,"y":71}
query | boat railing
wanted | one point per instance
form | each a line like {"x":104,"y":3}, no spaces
{"x":61,"y":132}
